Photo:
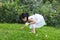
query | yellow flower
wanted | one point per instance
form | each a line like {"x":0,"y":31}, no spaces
{"x":26,"y":24}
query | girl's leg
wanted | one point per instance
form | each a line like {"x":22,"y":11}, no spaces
{"x":33,"y":30}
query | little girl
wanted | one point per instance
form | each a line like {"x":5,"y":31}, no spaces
{"x":35,"y":21}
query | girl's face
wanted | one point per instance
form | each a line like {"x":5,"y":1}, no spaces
{"x":24,"y":19}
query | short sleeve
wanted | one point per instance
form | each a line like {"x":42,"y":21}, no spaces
{"x":30,"y":17}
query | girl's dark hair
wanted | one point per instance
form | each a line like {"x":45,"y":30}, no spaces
{"x":23,"y":15}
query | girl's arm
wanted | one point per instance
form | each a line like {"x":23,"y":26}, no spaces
{"x":26,"y":24}
{"x":32,"y":21}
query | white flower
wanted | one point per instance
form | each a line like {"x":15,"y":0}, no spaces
{"x":45,"y":35}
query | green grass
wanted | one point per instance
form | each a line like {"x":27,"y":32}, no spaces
{"x":13,"y":32}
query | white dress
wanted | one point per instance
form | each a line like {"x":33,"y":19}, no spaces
{"x":40,"y":22}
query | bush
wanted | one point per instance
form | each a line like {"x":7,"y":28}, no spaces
{"x":8,"y":13}
{"x":51,"y":13}
{"x":10,"y":10}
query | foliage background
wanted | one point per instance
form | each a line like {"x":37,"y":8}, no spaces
{"x":11,"y":9}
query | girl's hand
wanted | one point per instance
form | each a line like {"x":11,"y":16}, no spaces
{"x":26,"y":24}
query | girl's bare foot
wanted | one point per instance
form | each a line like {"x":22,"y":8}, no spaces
{"x":33,"y":32}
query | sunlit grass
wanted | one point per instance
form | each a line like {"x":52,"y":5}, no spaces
{"x":13,"y":32}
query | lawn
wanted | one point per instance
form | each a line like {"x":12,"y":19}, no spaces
{"x":13,"y":32}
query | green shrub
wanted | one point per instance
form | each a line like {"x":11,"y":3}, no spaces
{"x":10,"y":10}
